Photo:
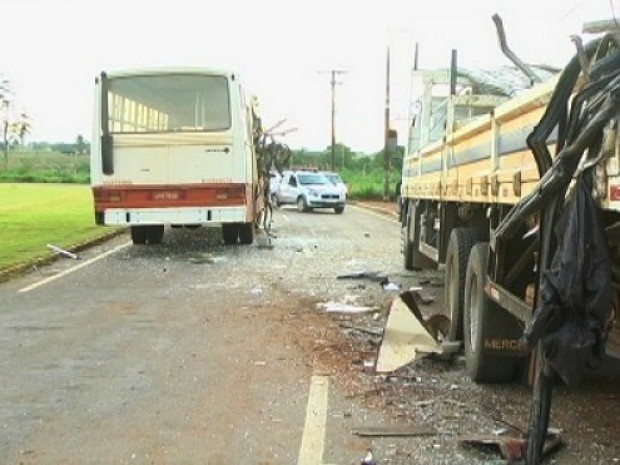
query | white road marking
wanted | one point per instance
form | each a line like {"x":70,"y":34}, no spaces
{"x":75,"y":268}
{"x":378,"y":215}
{"x":313,"y":437}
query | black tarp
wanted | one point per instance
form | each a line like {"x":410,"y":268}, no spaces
{"x":576,"y":290}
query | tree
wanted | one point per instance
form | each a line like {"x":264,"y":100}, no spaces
{"x":13,"y":125}
{"x":80,"y":145}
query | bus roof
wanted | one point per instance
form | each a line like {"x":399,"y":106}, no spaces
{"x":161,"y":71}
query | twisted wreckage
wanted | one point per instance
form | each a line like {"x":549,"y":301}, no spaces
{"x":519,"y":197}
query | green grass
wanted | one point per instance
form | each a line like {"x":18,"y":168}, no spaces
{"x":45,"y":167}
{"x":368,"y":186}
{"x":33,"y":215}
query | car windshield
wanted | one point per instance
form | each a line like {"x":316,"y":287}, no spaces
{"x":312,"y":178}
{"x":334,"y":178}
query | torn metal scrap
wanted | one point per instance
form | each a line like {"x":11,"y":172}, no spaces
{"x":511,"y":448}
{"x":371,"y":275}
{"x":337,"y":307}
{"x":408,"y":336}
{"x":394,"y":431}
{"x":63,"y":252}
{"x":371,"y":331}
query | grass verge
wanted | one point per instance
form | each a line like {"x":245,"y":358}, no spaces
{"x":33,"y":215}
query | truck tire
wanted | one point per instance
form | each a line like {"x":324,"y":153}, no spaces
{"x":413,"y":259}
{"x":138,"y":234}
{"x":155,"y":234}
{"x":246,"y":233}
{"x":457,"y":255}
{"x":230,"y":233}
{"x":482,"y":320}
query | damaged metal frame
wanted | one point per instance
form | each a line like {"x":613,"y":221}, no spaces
{"x":579,"y":132}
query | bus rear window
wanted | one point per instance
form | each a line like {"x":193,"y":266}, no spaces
{"x":170,"y":103}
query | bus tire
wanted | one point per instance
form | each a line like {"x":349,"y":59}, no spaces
{"x":155,"y":234}
{"x":230,"y":233}
{"x":246,"y":233}
{"x":413,"y":259}
{"x":457,"y":256}
{"x":483,"y":319}
{"x":138,"y":234}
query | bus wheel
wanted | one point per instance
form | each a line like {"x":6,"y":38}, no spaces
{"x":230,"y":233}
{"x":138,"y":234}
{"x":246,"y":233}
{"x":483,"y":320}
{"x":155,"y":234}
{"x":457,"y":255}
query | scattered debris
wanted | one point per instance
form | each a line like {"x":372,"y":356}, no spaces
{"x":206,"y":258}
{"x":366,"y":234}
{"x":63,"y":252}
{"x":257,"y":291}
{"x":372,"y":275}
{"x":369,"y":459}
{"x":371,"y":331}
{"x":387,"y":285}
{"x":368,"y":365}
{"x":394,"y":431}
{"x":264,"y":242}
{"x":336,"y":307}
{"x":420,"y":298}
{"x":407,"y":335}
{"x":260,"y":363}
{"x":511,"y":448}
{"x":430,"y":283}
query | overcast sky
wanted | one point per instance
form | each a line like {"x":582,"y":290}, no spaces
{"x":54,"y":48}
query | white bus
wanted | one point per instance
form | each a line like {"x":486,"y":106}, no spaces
{"x":174,"y":147}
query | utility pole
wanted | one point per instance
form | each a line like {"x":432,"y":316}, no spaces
{"x":386,"y":148}
{"x":333,"y":82}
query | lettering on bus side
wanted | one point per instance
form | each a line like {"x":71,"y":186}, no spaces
{"x":216,"y":181}
{"x":505,"y":345}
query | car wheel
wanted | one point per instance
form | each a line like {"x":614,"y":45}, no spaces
{"x":301,"y":205}
{"x":339,"y":210}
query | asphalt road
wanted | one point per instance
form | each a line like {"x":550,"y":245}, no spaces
{"x":195,"y":352}
{"x":188,"y":352}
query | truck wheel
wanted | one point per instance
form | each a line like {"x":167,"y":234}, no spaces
{"x":230,"y":233}
{"x":138,"y":234}
{"x":413,"y":259}
{"x":483,"y":320}
{"x":155,"y":234}
{"x":246,"y":233}
{"x":457,"y":255}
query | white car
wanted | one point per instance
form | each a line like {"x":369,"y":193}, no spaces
{"x":335,"y":179}
{"x":310,"y":190}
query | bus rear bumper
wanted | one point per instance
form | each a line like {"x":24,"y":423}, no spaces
{"x":186,"y":215}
